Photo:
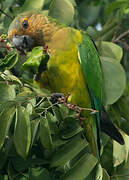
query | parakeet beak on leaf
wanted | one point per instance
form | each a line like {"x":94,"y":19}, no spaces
{"x":22,"y":42}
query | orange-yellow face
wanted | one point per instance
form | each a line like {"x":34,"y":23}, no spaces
{"x":29,"y":27}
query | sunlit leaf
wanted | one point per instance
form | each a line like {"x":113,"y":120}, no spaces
{"x":119,"y":153}
{"x":14,"y":79}
{"x":99,"y":172}
{"x":35,"y":60}
{"x":110,"y":50}
{"x":105,"y":175}
{"x":62,"y":10}
{"x":32,"y":5}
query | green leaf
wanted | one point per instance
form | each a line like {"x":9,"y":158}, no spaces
{"x":99,"y":172}
{"x":39,"y":174}
{"x":116,"y":5}
{"x":119,"y":153}
{"x":34,"y":128}
{"x":121,"y":174}
{"x":34,"y":60}
{"x":7,"y":92}
{"x":52,"y":121}
{"x":62,"y":10}
{"x":88,"y":14}
{"x":32,"y":5}
{"x":11,"y":172}
{"x":20,"y":164}
{"x":14,"y":79}
{"x":110,"y":50}
{"x":3,"y":177}
{"x":68,"y":151}
{"x":73,"y":2}
{"x":6,"y":117}
{"x":114,"y":80}
{"x":9,"y":61}
{"x":92,"y":32}
{"x":82,"y":168}
{"x":24,"y":96}
{"x":22,"y":132}
{"x":105,"y":175}
{"x":107,"y":157}
{"x":45,"y":133}
{"x":29,"y":108}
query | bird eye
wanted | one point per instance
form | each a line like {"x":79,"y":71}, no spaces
{"x":25,"y":24}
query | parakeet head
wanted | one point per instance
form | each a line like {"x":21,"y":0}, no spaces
{"x":30,"y":29}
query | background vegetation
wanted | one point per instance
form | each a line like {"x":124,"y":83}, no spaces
{"x":41,"y":140}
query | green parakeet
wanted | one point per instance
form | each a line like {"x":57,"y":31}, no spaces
{"x":73,"y":67}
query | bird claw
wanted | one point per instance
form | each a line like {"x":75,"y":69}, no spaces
{"x":55,"y":97}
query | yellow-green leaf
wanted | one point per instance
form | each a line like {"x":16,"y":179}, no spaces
{"x":32,"y":5}
{"x":109,"y":49}
{"x":62,"y":10}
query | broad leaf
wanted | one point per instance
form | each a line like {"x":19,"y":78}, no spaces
{"x":22,"y":132}
{"x":62,"y":10}
{"x":32,"y":5}
{"x":105,"y":175}
{"x":82,"y":168}
{"x":35,"y":60}
{"x":34,"y":129}
{"x":45,"y":133}
{"x":6,"y":117}
{"x":119,"y":153}
{"x":99,"y":172}
{"x":39,"y":174}
{"x":110,"y":50}
{"x":68,"y":151}
{"x":7,"y":92}
{"x":114,"y":80}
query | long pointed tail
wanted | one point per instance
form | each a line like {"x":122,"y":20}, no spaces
{"x":108,"y":128}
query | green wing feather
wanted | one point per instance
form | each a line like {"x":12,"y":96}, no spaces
{"x":91,"y":67}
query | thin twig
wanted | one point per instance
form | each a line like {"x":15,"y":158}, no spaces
{"x":121,"y":36}
{"x":116,"y":31}
{"x":64,"y":100}
{"x":6,"y":14}
{"x":46,"y":109}
{"x":5,"y":46}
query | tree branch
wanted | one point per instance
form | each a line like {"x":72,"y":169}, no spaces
{"x":6,"y":14}
{"x":120,"y":36}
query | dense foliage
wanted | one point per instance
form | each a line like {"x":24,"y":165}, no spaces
{"x":42,"y":140}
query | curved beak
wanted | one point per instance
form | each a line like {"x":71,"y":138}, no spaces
{"x":23,"y":42}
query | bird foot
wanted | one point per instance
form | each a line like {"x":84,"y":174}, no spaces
{"x":56,"y":97}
